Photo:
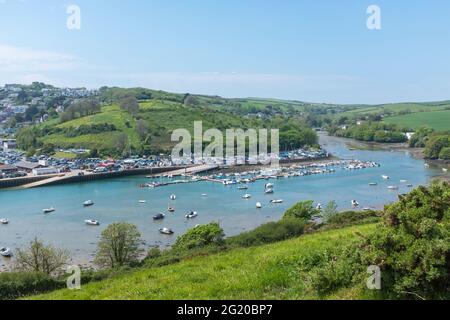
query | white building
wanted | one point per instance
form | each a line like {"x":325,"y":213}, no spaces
{"x":45,"y":171}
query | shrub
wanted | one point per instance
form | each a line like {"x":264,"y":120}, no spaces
{"x":14,"y":285}
{"x":412,"y":247}
{"x":270,"y":232}
{"x":200,"y":236}
{"x":347,"y":218}
{"x":303,"y":210}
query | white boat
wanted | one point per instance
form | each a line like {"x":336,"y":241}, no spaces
{"x":393,"y":188}
{"x":427,"y":165}
{"x":242,"y":188}
{"x":173,"y":197}
{"x":88,"y":203}
{"x":49,"y":210}
{"x":445,"y":169}
{"x":403,"y":181}
{"x":4,"y":221}
{"x":170,"y":209}
{"x":204,"y":195}
{"x":246,"y":196}
{"x":5,"y":252}
{"x":92,"y":222}
{"x":276,"y":201}
{"x":258,"y":205}
{"x":319,"y":206}
{"x":268,"y":186}
{"x":367,"y":209}
{"x":142,"y":201}
{"x":268,"y":191}
{"x":166,"y":231}
{"x":192,"y":215}
{"x":355,"y":203}
{"x":385,"y":177}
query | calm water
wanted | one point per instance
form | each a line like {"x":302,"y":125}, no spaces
{"x":117,"y":200}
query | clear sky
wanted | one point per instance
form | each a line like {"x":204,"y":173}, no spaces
{"x":316,"y":50}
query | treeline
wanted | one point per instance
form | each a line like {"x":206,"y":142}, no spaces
{"x":28,"y":137}
{"x":80,"y":109}
{"x":436,"y":144}
{"x":370,"y":132}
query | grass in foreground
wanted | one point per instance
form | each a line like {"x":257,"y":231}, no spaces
{"x":275,"y":271}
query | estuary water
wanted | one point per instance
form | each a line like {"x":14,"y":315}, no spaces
{"x":118,"y":200}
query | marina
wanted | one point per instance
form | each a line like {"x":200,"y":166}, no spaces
{"x":122,"y":199}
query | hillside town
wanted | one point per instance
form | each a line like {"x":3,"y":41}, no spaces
{"x":22,"y":105}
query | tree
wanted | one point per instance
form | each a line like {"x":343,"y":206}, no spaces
{"x":200,"y":236}
{"x":330,"y":210}
{"x":41,"y":258}
{"x":130,"y":104}
{"x":31,"y":112}
{"x":120,"y":142}
{"x":412,"y":245}
{"x":119,"y":245}
{"x":303,"y":210}
{"x":142,"y":129}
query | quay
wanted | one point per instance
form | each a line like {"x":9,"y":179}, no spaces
{"x":82,"y":176}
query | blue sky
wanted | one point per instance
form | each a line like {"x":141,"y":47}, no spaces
{"x":317,"y":50}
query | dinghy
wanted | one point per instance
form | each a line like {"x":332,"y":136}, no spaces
{"x":5,"y":252}
{"x":159,"y":216}
{"x":276,"y":201}
{"x":4,"y":221}
{"x":88,"y":203}
{"x":166,"y":231}
{"x":92,"y":222}
{"x":192,"y":215}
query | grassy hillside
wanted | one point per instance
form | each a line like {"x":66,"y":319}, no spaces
{"x":277,"y":271}
{"x":438,"y":120}
{"x":400,"y":107}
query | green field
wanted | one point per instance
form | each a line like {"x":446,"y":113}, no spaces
{"x":438,"y":120}
{"x":277,"y":271}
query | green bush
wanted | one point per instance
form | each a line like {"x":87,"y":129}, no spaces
{"x":444,"y":154}
{"x":348,"y":218}
{"x":200,"y":236}
{"x":303,"y":210}
{"x":412,"y":247}
{"x":269,"y":232}
{"x":14,"y":285}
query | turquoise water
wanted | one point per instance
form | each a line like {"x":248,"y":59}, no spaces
{"x":118,"y":200}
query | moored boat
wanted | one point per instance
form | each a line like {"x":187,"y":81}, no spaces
{"x":246,"y":196}
{"x":355,"y":203}
{"x":159,"y":216}
{"x":49,"y":210}
{"x":258,"y":205}
{"x":373,"y":184}
{"x":173,"y":197}
{"x":88,"y":203}
{"x":166,"y":231}
{"x":385,"y":177}
{"x":4,"y":221}
{"x":191,"y":215}
{"x":276,"y":201}
{"x":5,"y":252}
{"x":92,"y":222}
